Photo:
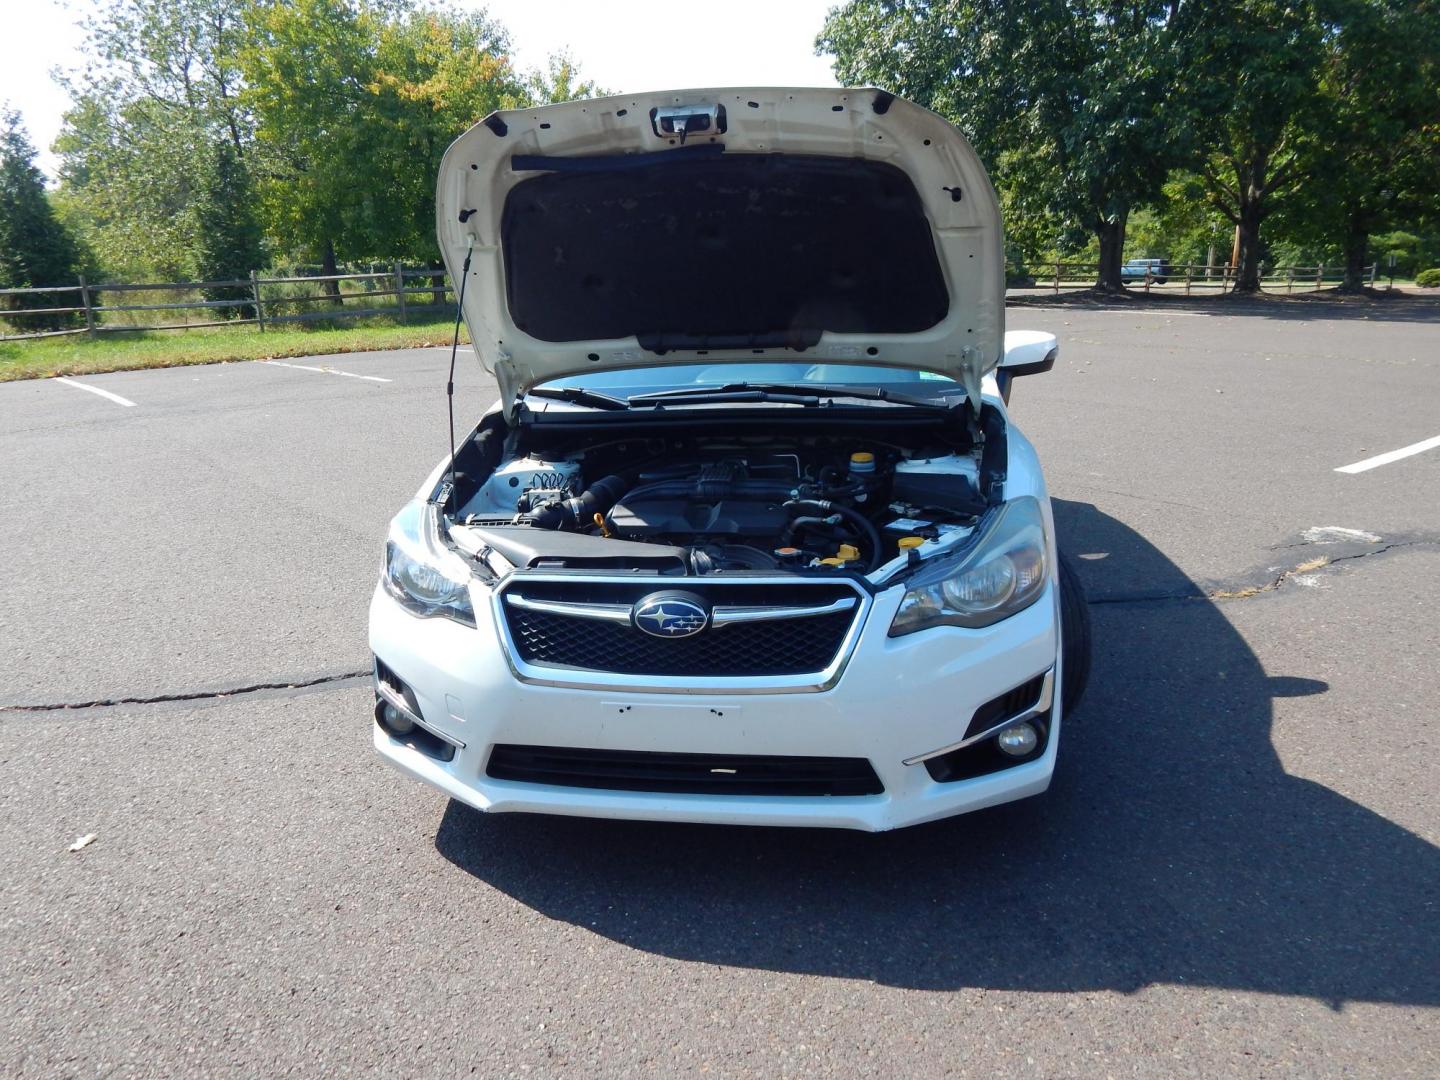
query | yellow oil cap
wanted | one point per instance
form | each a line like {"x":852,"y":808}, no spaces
{"x":862,"y":457}
{"x":846,"y":552}
{"x":911,"y":542}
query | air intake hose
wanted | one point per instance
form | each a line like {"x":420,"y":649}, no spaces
{"x":581,"y":510}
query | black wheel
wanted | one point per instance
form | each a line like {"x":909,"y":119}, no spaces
{"x":1075,"y":634}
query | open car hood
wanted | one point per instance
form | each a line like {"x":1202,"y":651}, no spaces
{"x":740,"y":225}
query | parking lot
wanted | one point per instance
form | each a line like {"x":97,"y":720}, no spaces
{"x":1235,"y":873}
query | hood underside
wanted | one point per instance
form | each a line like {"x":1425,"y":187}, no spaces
{"x":844,"y":226}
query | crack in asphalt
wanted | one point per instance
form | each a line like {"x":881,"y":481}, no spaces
{"x":1245,"y":592}
{"x":198,"y":695}
{"x":1241,"y":592}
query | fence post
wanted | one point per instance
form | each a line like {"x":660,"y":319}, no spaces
{"x":1057,"y":275}
{"x":1320,"y":277}
{"x":255,"y":293}
{"x":400,"y":295}
{"x":1290,"y":279}
{"x":1373,"y":267}
{"x":89,"y":308}
{"x":1147,"y":281}
{"x":1189,"y":274}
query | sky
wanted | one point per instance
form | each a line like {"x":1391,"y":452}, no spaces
{"x":624,"y":45}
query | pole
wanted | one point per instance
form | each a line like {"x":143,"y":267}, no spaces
{"x":89,"y":308}
{"x":1319,"y":277}
{"x":400,"y":292}
{"x":255,"y":292}
{"x":1057,"y":275}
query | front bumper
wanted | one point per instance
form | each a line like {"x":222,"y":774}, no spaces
{"x":897,"y":699}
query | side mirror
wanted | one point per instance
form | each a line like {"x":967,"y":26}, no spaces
{"x":1027,"y":352}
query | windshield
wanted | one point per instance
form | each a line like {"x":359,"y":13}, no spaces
{"x":629,"y":382}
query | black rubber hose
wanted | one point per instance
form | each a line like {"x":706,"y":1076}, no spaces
{"x":800,"y":523}
{"x":859,"y":520}
{"x":581,"y":510}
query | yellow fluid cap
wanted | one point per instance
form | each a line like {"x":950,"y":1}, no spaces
{"x":862,"y":457}
{"x":911,"y":542}
{"x":847,"y":552}
{"x":832,"y":562}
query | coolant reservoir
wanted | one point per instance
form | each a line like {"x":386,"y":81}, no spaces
{"x":951,"y":481}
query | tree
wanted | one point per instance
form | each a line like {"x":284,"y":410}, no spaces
{"x":229,"y":238}
{"x":1068,"y":101}
{"x":1377,"y":158}
{"x":35,"y":250}
{"x":1251,"y":70}
{"x":137,"y":148}
{"x":356,"y":103}
{"x":560,"y":81}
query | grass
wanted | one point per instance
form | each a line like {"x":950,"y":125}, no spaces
{"x":127,"y":350}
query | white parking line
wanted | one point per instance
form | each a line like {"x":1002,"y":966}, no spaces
{"x":96,"y":390}
{"x":324,"y":370}
{"x":1394,"y":455}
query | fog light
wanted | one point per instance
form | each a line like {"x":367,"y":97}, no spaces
{"x":396,"y":722}
{"x":1017,"y":740}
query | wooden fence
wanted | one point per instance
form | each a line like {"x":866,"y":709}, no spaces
{"x":1196,"y":277}
{"x":270,"y":302}
{"x":261,"y":302}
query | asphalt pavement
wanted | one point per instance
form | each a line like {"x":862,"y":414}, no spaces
{"x":1235,"y":873}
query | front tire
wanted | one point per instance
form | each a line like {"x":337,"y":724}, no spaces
{"x":1075,"y":638}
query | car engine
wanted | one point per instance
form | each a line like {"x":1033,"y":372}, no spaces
{"x":707,"y":506}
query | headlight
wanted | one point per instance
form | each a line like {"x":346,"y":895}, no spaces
{"x":427,"y":579}
{"x":1003,"y":573}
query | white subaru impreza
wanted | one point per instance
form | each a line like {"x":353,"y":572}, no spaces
{"x":749,"y":536}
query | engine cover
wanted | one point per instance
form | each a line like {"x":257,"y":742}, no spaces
{"x":730,"y":516}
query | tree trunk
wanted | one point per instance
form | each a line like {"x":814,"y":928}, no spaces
{"x":327,"y":264}
{"x":1247,"y":273}
{"x":437,"y":283}
{"x":1112,"y":247}
{"x":1357,"y":243}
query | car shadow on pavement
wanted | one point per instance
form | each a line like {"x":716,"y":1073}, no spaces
{"x":1171,"y":848}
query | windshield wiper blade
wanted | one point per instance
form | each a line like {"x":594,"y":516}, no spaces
{"x":801,"y":393}
{"x":577,"y":395}
{"x":702,"y":395}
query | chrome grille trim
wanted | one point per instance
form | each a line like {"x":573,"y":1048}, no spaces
{"x":808,"y":683}
{"x":723,"y":615}
{"x":599,"y":612}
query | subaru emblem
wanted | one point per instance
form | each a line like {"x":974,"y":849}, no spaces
{"x":670,"y":615}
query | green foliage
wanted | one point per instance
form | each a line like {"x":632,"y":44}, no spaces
{"x":229,"y":242}
{"x":319,"y":123}
{"x":1067,"y":100}
{"x":35,"y":249}
{"x":1428,"y":279}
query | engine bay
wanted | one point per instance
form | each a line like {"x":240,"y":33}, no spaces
{"x":706,"y":503}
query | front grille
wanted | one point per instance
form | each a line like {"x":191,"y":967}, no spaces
{"x":767,"y":647}
{"x":690,"y":774}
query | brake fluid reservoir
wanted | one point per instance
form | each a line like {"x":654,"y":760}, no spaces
{"x":862,"y":463}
